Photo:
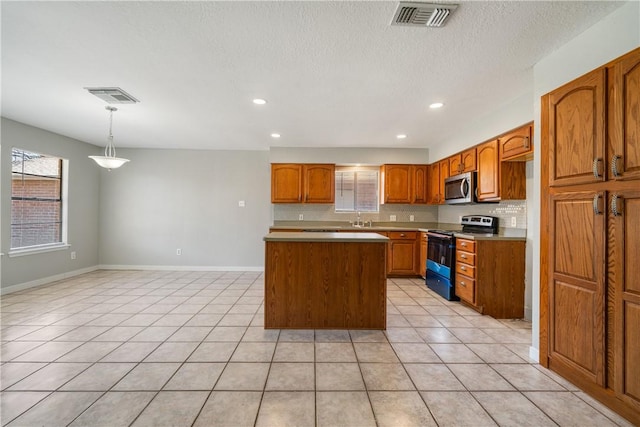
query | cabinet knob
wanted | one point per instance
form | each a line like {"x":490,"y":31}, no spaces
{"x":463,"y":244}
{"x":402,"y":235}
{"x":463,"y":256}
{"x":463,"y":284}
{"x":463,"y":268}
{"x":526,"y":143}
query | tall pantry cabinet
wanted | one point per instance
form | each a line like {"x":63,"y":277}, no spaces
{"x":590,"y":233}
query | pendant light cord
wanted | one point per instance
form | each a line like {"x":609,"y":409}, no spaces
{"x":110,"y":149}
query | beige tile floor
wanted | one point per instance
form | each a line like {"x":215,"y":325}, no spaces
{"x":157,"y":348}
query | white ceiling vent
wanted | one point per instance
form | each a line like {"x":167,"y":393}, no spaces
{"x":112,"y":95}
{"x":422,"y":14}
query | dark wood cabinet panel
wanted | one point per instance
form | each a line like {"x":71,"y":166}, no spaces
{"x":403,"y":253}
{"x":577,"y":130}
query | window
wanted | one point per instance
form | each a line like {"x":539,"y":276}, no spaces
{"x":356,"y":190}
{"x":37,"y":192}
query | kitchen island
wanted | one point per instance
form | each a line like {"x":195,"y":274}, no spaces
{"x":325,"y":280}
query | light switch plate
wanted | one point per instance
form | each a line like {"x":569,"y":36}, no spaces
{"x":411,"y":218}
{"x":513,"y":221}
{"x":392,"y":217}
{"x":241,"y":204}
{"x":300,"y":217}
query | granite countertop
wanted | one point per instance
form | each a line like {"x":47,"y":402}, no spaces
{"x":324,"y":237}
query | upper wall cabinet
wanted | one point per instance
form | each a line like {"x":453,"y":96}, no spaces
{"x":499,"y":180}
{"x":435,"y":197}
{"x":406,"y":184}
{"x":577,"y":130}
{"x":517,"y":144}
{"x":302,"y":183}
{"x":624,"y":118}
{"x":462,"y":162}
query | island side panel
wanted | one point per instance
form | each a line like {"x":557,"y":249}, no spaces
{"x":333,"y":285}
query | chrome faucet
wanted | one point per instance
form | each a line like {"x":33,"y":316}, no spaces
{"x":358,"y":220}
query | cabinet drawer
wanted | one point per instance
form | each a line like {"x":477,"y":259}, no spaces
{"x":467,"y":270}
{"x":466,"y":288}
{"x":402,"y":235}
{"x":465,"y":257}
{"x":466,"y":245}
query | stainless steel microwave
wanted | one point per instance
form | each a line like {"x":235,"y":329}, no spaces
{"x":460,"y":189}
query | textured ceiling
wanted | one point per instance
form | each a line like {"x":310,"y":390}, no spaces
{"x":335,"y":74}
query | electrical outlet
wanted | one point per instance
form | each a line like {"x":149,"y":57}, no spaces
{"x":73,"y":255}
{"x":513,"y":221}
{"x":392,"y":217}
{"x":300,"y":217}
{"x":178,"y":251}
{"x":241,"y":204}
{"x":411,"y":218}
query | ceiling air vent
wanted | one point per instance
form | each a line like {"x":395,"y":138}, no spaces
{"x":422,"y":14}
{"x":112,"y":95}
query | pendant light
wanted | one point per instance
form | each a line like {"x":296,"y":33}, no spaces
{"x":109,"y":160}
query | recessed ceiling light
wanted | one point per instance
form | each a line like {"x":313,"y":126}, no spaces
{"x":401,"y":136}
{"x":275,"y":135}
{"x":436,"y":105}
{"x":259,"y":101}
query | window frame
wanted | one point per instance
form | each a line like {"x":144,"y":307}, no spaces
{"x":357,"y":169}
{"x":64,"y":209}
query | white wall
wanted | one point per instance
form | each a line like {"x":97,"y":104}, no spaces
{"x":608,"y":39}
{"x":168,"y":199}
{"x":83,"y":206}
{"x":344,"y":156}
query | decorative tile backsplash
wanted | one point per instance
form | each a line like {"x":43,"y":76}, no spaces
{"x":421,"y":213}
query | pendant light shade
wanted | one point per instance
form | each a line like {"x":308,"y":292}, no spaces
{"x":109,"y":160}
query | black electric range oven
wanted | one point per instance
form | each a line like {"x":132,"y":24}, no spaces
{"x":441,"y":253}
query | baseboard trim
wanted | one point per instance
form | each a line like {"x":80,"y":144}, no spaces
{"x":177,"y":267}
{"x":534,"y":354}
{"x":46,"y":280}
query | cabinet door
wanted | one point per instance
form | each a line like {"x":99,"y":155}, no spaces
{"x":576,"y":284}
{"x":469,"y":160}
{"x":488,"y":171}
{"x":319,"y":183}
{"x":402,"y":257}
{"x":286,"y":183}
{"x":516,"y":144}
{"x":434,"y":184}
{"x":397,"y":183}
{"x":420,"y":180}
{"x":444,"y":173}
{"x":423,"y":255}
{"x":576,"y":120}
{"x":624,"y":117}
{"x":455,"y":164}
{"x":623,"y":254}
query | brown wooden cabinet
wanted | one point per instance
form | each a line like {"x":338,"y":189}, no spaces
{"x":468,"y":161}
{"x":434,"y":196}
{"x":423,"y":254}
{"x":499,"y":180}
{"x":444,"y":174}
{"x":420,"y":184}
{"x":517,"y":144}
{"x":402,"y":259}
{"x":302,"y":183}
{"x":577,"y":130}
{"x":590,"y":240}
{"x":490,"y":276}
{"x":406,"y":184}
{"x":462,"y":162}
